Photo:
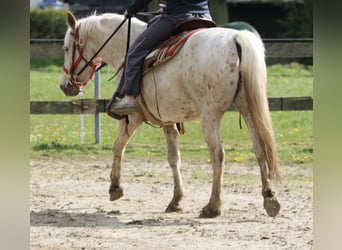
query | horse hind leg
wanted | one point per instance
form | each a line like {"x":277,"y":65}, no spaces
{"x":211,"y":133}
{"x":271,"y":203}
{"x":171,"y":136}
{"x":126,"y":130}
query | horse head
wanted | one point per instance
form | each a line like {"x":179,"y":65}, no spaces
{"x":77,"y":69}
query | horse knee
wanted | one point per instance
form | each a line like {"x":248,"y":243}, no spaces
{"x":218,"y":156}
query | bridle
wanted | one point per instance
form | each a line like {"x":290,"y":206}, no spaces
{"x":78,"y":46}
{"x":94,"y":63}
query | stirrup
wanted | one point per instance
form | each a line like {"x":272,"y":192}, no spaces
{"x":108,"y":109}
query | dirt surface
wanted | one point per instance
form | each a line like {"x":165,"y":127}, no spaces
{"x":70,"y":207}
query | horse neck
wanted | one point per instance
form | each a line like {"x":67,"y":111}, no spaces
{"x":114,"y":52}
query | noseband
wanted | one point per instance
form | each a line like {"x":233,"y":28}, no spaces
{"x":78,"y":45}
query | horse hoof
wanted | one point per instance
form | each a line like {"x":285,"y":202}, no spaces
{"x":271,"y":206}
{"x":207,"y":212}
{"x":115,"y":193}
{"x":173,"y":208}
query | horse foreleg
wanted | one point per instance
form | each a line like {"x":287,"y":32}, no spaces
{"x":124,"y":134}
{"x":171,"y":136}
{"x":211,"y":133}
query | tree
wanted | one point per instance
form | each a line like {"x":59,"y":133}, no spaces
{"x":299,"y":20}
{"x":219,"y":11}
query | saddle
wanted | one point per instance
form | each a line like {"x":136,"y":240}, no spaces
{"x":161,"y":54}
{"x":170,"y":47}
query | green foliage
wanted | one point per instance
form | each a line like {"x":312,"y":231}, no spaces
{"x":299,"y":20}
{"x":60,"y":134}
{"x":41,"y":64}
{"x":218,"y":11}
{"x":47,"y":23}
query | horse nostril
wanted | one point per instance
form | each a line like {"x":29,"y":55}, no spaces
{"x":63,"y":88}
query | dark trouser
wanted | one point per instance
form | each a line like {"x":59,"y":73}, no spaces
{"x":158,"y":30}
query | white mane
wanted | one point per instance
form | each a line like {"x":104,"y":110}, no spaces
{"x":106,"y":23}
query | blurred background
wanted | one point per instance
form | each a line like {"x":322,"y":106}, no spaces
{"x":271,"y":18}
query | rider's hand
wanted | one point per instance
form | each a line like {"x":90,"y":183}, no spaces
{"x":161,"y":8}
{"x":126,"y":14}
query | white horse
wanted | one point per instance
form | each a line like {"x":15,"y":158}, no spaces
{"x":215,"y":68}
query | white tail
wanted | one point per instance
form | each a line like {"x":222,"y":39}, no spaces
{"x":254,"y":75}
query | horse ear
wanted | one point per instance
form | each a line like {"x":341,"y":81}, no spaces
{"x":71,"y":20}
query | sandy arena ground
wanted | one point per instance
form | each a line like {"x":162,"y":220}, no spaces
{"x":70,"y":207}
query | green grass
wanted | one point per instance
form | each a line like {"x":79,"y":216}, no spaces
{"x":60,"y":134}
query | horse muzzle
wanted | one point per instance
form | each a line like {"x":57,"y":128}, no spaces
{"x":69,"y":88}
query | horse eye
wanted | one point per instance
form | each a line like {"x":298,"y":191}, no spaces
{"x":66,"y":49}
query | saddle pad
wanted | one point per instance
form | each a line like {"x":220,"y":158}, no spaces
{"x":166,"y":50}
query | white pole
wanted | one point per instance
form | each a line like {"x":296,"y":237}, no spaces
{"x":97,"y":114}
{"x":82,"y":118}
